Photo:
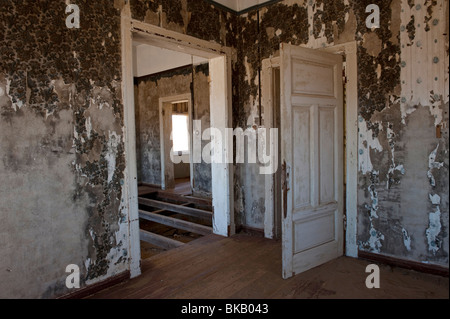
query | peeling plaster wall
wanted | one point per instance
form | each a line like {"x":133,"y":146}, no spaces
{"x":61,"y":147}
{"x":403,"y":210}
{"x":61,"y":126}
{"x":62,"y":140}
{"x":192,"y":17}
{"x":149,"y":89}
{"x":403,"y":76}
{"x":201,"y":109}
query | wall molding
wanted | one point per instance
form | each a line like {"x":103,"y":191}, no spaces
{"x":403,"y":263}
{"x":94,"y":288}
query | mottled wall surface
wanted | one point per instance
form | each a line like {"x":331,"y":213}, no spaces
{"x":149,"y":89}
{"x":201,"y":112}
{"x":192,"y":17}
{"x":61,"y":147}
{"x":403,"y":165}
{"x":62,"y":155}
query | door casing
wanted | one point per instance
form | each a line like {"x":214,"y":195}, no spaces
{"x":220,"y":61}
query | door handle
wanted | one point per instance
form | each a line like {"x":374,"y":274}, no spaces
{"x":285,"y":184}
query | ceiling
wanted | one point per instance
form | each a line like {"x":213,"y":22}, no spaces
{"x":148,"y":59}
{"x":241,"y":5}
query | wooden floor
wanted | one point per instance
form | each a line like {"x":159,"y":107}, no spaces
{"x":245,"y":267}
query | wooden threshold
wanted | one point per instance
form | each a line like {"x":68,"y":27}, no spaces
{"x":175,"y":223}
{"x":158,"y":240}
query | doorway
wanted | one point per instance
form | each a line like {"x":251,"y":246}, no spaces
{"x":177,"y":167}
{"x":271,"y":95}
{"x":219,"y":62}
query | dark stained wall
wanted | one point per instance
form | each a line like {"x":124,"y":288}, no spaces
{"x":61,"y":151}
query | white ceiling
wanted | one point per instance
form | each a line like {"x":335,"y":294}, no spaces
{"x":240,"y":5}
{"x":149,"y":59}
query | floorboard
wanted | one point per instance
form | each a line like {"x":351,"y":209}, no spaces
{"x":246,"y":267}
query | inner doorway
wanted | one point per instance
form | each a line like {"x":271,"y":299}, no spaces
{"x":177,"y":167}
{"x":171,"y":91}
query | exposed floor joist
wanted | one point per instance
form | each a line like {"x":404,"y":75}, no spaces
{"x":184,"y":210}
{"x":158,"y":240}
{"x":168,"y":218}
{"x":176,"y":223}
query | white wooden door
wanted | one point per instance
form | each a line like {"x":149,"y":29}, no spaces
{"x":312,"y":157}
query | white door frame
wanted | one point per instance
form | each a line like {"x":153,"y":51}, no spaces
{"x":351,"y":127}
{"x":173,"y":99}
{"x":220,"y":59}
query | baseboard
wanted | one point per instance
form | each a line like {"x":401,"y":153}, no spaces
{"x":94,"y":288}
{"x":402,"y":263}
{"x":149,"y":185}
{"x":250,"y":230}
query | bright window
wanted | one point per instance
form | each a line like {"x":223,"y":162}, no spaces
{"x":180,"y":133}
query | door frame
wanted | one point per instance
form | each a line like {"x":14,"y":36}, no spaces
{"x":220,"y":61}
{"x":349,"y":50}
{"x":173,"y":99}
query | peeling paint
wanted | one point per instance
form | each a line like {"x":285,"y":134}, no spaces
{"x":433,"y":231}
{"x":406,"y":239}
{"x":61,"y":90}
{"x":111,"y":155}
{"x":368,"y":142}
{"x":432,"y":165}
{"x":374,"y":243}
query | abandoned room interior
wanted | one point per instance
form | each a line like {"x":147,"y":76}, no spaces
{"x":224,"y":149}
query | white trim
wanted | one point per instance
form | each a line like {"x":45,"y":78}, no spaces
{"x":220,"y":73}
{"x":156,"y":36}
{"x":220,"y":113}
{"x":350,"y":51}
{"x":172,"y":100}
{"x":130,"y":186}
{"x":267,"y":103}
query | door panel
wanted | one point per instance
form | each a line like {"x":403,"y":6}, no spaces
{"x":312,"y":78}
{"x":302,"y":157}
{"x":326,"y":151}
{"x":312,"y":144}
